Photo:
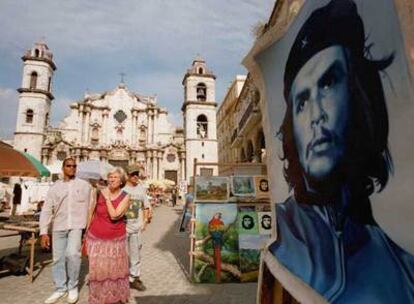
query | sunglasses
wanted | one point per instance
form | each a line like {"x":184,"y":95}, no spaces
{"x":134,"y":173}
{"x":70,"y":166}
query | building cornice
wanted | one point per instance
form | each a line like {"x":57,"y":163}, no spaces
{"x":200,"y":103}
{"x":188,"y":74}
{"x":26,"y":90}
{"x":48,"y":61}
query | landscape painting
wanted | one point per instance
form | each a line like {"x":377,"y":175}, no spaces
{"x":250,"y":247}
{"x":211,"y":189}
{"x":243,"y":186}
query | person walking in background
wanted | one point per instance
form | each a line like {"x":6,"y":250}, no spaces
{"x":17,"y":197}
{"x":106,"y":243}
{"x":174,"y":196}
{"x":66,"y":208}
{"x":137,"y":220}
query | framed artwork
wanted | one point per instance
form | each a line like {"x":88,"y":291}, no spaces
{"x":339,"y":113}
{"x":211,"y":189}
{"x":216,"y":254}
{"x":265,"y":222}
{"x":247,"y":222}
{"x":250,"y":246}
{"x":262,"y":187}
{"x":243,"y":186}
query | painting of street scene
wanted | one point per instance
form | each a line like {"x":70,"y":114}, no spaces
{"x":216,"y":254}
{"x":243,"y":186}
{"x":211,"y":189}
{"x":249,"y":251}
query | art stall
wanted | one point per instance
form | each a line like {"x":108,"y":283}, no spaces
{"x":231,"y":224}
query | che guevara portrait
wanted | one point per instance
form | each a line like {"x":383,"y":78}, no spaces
{"x":341,"y":89}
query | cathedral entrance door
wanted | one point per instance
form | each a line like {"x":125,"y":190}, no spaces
{"x":119,"y":163}
{"x":171,"y":175}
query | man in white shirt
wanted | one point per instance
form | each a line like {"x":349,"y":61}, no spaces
{"x":66,"y":207}
{"x":137,"y":219}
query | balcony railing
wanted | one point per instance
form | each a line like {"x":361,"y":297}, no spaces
{"x":246,"y":115}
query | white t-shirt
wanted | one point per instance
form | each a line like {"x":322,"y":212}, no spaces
{"x":139,"y":202}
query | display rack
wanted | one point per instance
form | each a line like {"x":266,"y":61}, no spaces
{"x":224,"y":169}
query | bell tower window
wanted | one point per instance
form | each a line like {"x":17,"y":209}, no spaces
{"x":201,"y":92}
{"x":29,"y":116}
{"x":202,"y":126}
{"x":200,"y":70}
{"x":37,"y":53}
{"x":33,"y":80}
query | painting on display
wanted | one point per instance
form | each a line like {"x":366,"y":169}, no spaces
{"x":339,"y":107}
{"x":250,"y":246}
{"x":243,"y":186}
{"x":262,"y":187}
{"x":247,"y":222}
{"x":211,"y":189}
{"x":265,"y":222}
{"x":216,"y":254}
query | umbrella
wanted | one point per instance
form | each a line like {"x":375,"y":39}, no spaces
{"x":16,"y":163}
{"x":162,"y":183}
{"x":93,"y":169}
{"x":38,"y":165}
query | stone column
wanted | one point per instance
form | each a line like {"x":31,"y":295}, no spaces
{"x":149,"y":129}
{"x":85,"y":131}
{"x":80,"y":126}
{"x":159,"y":162}
{"x":182,"y":165}
{"x":154,"y":164}
{"x":104,"y":132}
{"x":148,"y":163}
{"x":134,"y":139}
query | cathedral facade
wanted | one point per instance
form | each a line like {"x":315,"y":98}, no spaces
{"x":118,"y":126}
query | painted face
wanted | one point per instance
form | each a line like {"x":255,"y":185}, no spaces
{"x":247,"y":222}
{"x":114,"y":181}
{"x":320,"y":109}
{"x":266,"y":222}
{"x":264,"y":186}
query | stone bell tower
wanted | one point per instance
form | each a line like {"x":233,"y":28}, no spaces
{"x":35,"y":99}
{"x":199,"y":111}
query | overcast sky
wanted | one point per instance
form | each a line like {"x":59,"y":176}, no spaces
{"x":152,"y":42}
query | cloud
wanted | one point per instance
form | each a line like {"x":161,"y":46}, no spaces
{"x":8,"y":110}
{"x":153,"y":42}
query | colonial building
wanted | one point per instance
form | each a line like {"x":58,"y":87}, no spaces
{"x":118,"y":126}
{"x":240,"y":124}
{"x":226,"y":121}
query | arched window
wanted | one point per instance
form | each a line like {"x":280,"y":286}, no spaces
{"x":200,"y":70}
{"x":37,"y":53}
{"x":202,"y":126}
{"x":47,"y":119}
{"x":33,"y":80}
{"x":29,"y":116}
{"x":49,"y":82}
{"x":201,"y":92}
